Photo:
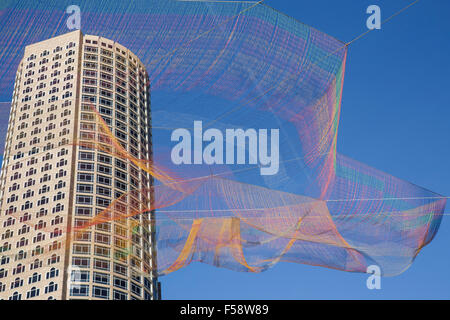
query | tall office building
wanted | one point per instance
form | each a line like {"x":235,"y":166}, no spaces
{"x":51,"y":184}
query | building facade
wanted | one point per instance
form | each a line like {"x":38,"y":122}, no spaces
{"x":53,"y":181}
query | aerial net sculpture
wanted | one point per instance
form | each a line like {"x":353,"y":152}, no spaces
{"x":217,"y":66}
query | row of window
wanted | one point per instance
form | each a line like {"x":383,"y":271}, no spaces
{"x":43,"y":200}
{"x":121,"y":252}
{"x":57,"y":49}
{"x":53,"y":82}
{"x":120,"y":54}
{"x":106,"y":73}
{"x":57,"y":232}
{"x":34,"y":278}
{"x":102,"y":238}
{"x":38,"y":250}
{"x":45,"y":60}
{"x":34,"y":265}
{"x":100,"y":292}
{"x":46,"y":177}
{"x":54,"y":75}
{"x":48,"y":156}
{"x":40,"y":225}
{"x":46,"y":167}
{"x":28,"y":205}
{"x":52,"y":107}
{"x":92,"y":136}
{"x":21,"y":268}
{"x":78,"y":223}
{"x":22,"y":254}
{"x":36,"y":150}
{"x":44,"y":189}
{"x":104,"y":139}
{"x":34,"y":292}
{"x":38,"y":121}
{"x":120,"y":106}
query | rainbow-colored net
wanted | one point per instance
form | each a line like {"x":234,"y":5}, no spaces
{"x":244,"y":65}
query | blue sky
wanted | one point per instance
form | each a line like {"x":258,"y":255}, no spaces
{"x":395,"y":117}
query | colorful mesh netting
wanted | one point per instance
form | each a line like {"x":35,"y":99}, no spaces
{"x":244,"y":65}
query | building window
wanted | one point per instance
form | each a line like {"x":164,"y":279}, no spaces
{"x":85,"y":188}
{"x":16,"y":283}
{"x":85,"y":177}
{"x":81,"y":248}
{"x":42,"y":201}
{"x":104,"y":180}
{"x":102,"y":202}
{"x":27,"y":205}
{"x":79,"y":276}
{"x":34,"y":278}
{"x":120,"y":269}
{"x":135,"y":289}
{"x":21,"y":255}
{"x":120,"y":283}
{"x":101,"y":278}
{"x":52,"y":273}
{"x":34,"y":292}
{"x":53,"y":259}
{"x":81,"y":262}
{"x":101,"y":264}
{"x":56,"y":233}
{"x":84,"y":200}
{"x":41,"y":213}
{"x":83,"y":236}
{"x":83,"y":211}
{"x":86,"y":156}
{"x":9,"y":222}
{"x":119,"y":295}
{"x":100,"y":292}
{"x":58,"y":196}
{"x":40,"y":225}
{"x":36,"y":264}
{"x":37,"y":251}
{"x":102,"y":251}
{"x":16,"y":296}
{"x":44,"y":189}
{"x":39,"y":237}
{"x":104,"y":169}
{"x":4,"y":260}
{"x":105,"y":227}
{"x":78,"y":290}
{"x":3,"y":273}
{"x":55,"y":245}
{"x":8,"y":234}
{"x":85,"y":166}
{"x":22,"y":242}
{"x":61,"y":184}
{"x":51,"y":287}
{"x":102,"y":238}
{"x":57,"y":220}
{"x":59,"y":207}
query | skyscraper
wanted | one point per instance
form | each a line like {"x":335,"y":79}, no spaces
{"x":51,"y":184}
